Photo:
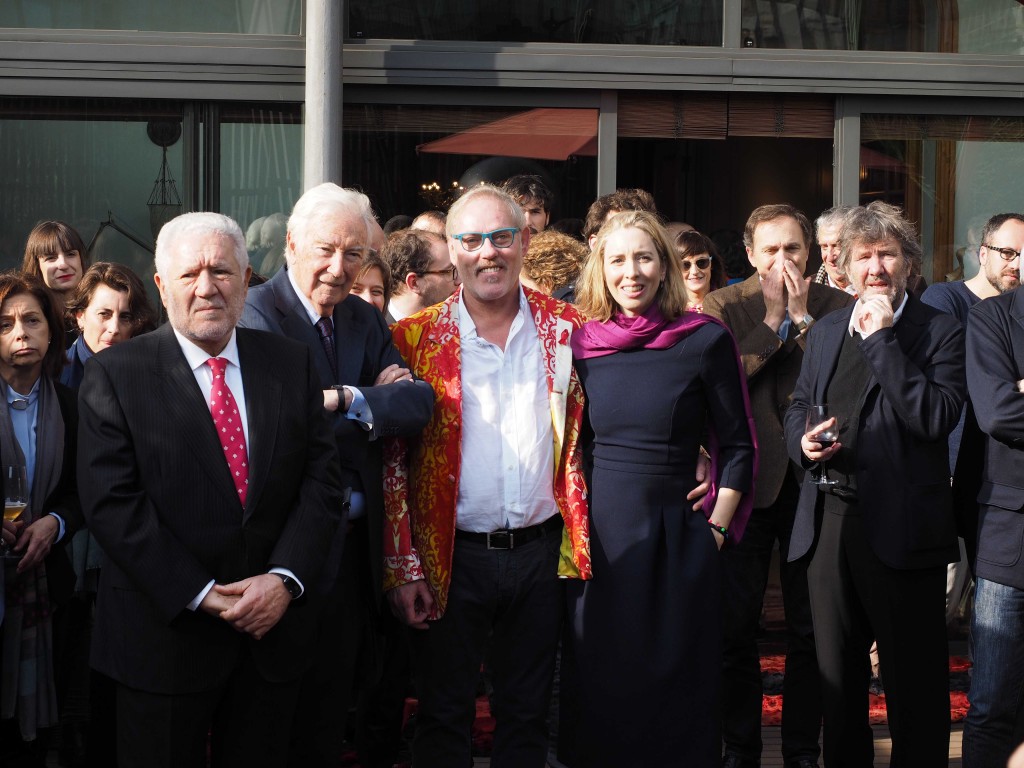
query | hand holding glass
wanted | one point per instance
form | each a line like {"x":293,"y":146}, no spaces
{"x":816,"y":432}
{"x":15,"y":498}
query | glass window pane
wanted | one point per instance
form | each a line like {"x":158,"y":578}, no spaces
{"x":961,"y":26}
{"x":253,"y":17}
{"x":949,"y":174}
{"x":261,"y":176}
{"x":643,"y":22}
{"x":413,"y":159}
{"x":93,"y":166}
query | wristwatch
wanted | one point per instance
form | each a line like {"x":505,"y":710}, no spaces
{"x":804,"y":324}
{"x":291,"y":585}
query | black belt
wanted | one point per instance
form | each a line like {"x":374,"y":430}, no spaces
{"x":510,"y":538}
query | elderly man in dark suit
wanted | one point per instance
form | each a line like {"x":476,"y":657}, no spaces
{"x":369,"y":393}
{"x":995,"y":359}
{"x":770,"y":314}
{"x":891,"y":370}
{"x":214,"y":491}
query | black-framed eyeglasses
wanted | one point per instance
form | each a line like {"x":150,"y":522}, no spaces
{"x":451,"y":271}
{"x":500,"y":238}
{"x":702,"y":262}
{"x":1008,"y":254}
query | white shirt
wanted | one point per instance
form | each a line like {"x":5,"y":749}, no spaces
{"x":196,"y":359}
{"x":856,"y":316}
{"x":507,"y":439}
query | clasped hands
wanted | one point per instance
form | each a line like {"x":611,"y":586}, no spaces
{"x":252,"y":605}
{"x":784,"y":289}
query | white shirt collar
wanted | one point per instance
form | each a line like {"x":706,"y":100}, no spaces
{"x":467,"y":328}
{"x":856,"y":313}
{"x":197,"y":356}
{"x":314,"y":316}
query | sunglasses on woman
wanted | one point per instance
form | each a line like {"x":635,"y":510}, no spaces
{"x":702,"y":262}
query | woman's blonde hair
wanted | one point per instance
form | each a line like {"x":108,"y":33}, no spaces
{"x":593,"y":298}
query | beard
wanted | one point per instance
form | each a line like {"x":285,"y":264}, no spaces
{"x":999,"y":282}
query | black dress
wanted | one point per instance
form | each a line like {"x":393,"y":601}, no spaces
{"x":646,"y":630}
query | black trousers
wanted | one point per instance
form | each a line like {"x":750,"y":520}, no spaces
{"x":344,"y":649}
{"x":246,"y":719}
{"x":508,"y":604}
{"x":855,"y":599}
{"x":746,"y":569}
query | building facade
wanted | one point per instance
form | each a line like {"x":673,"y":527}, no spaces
{"x":116,"y":114}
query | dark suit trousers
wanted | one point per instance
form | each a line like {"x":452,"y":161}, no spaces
{"x":246,"y":719}
{"x":343,"y":646}
{"x":746,"y":569}
{"x":507,"y":604}
{"x":855,"y":599}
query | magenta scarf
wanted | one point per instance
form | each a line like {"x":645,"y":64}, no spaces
{"x":652,"y":331}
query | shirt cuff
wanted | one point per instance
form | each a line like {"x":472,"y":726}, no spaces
{"x":289,"y":574}
{"x":201,"y":596}
{"x":60,"y":526}
{"x":359,"y":410}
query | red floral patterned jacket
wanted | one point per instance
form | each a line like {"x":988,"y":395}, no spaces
{"x":421,"y":475}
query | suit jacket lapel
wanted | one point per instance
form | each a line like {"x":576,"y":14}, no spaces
{"x":185,"y":406}
{"x":835,"y":326}
{"x":295,"y":324}
{"x":349,"y":344}
{"x":753,"y":301}
{"x":262,"y":406}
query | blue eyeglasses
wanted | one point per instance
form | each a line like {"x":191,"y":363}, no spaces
{"x":500,"y":238}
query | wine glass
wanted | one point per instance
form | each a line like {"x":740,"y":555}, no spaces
{"x":15,"y":498}
{"x":817,"y":415}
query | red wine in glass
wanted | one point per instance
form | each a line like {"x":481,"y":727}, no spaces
{"x":815,"y":431}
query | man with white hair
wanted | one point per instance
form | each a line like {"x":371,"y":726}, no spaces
{"x":215,"y":492}
{"x":368,"y":393}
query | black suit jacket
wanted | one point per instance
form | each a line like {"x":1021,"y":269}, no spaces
{"x":995,"y":361}
{"x":158,"y":496}
{"x":910,"y":405}
{"x":364,"y":348}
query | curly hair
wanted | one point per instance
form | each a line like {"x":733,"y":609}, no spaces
{"x":553,"y":259}
{"x":122,"y":279}
{"x":616,"y":202}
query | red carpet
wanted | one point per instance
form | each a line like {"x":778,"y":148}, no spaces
{"x":771,"y":707}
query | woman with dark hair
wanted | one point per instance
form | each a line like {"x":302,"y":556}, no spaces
{"x":703,"y":270}
{"x":109,"y":306}
{"x":659,"y":381}
{"x":55,"y":253}
{"x":38,"y":430}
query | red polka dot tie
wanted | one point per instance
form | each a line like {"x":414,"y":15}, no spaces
{"x":229,"y":427}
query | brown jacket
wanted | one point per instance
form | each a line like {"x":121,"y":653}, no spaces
{"x":771,"y":365}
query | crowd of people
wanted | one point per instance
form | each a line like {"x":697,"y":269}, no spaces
{"x":468,"y":440}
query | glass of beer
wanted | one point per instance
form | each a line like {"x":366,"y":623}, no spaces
{"x":15,"y":498}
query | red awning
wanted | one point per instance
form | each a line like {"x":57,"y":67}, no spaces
{"x":541,"y":134}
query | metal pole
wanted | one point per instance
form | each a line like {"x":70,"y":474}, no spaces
{"x":322,"y":130}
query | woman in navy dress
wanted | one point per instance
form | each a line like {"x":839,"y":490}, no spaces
{"x":660,"y":382}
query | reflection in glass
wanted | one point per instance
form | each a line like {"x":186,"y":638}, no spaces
{"x":85,"y":163}
{"x":261,"y":176}
{"x":251,"y":17}
{"x":410,"y":159}
{"x":645,"y":22}
{"x":960,"y":26}
{"x":950,"y":173}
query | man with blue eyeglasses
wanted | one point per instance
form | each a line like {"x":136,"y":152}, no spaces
{"x":487,"y":507}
